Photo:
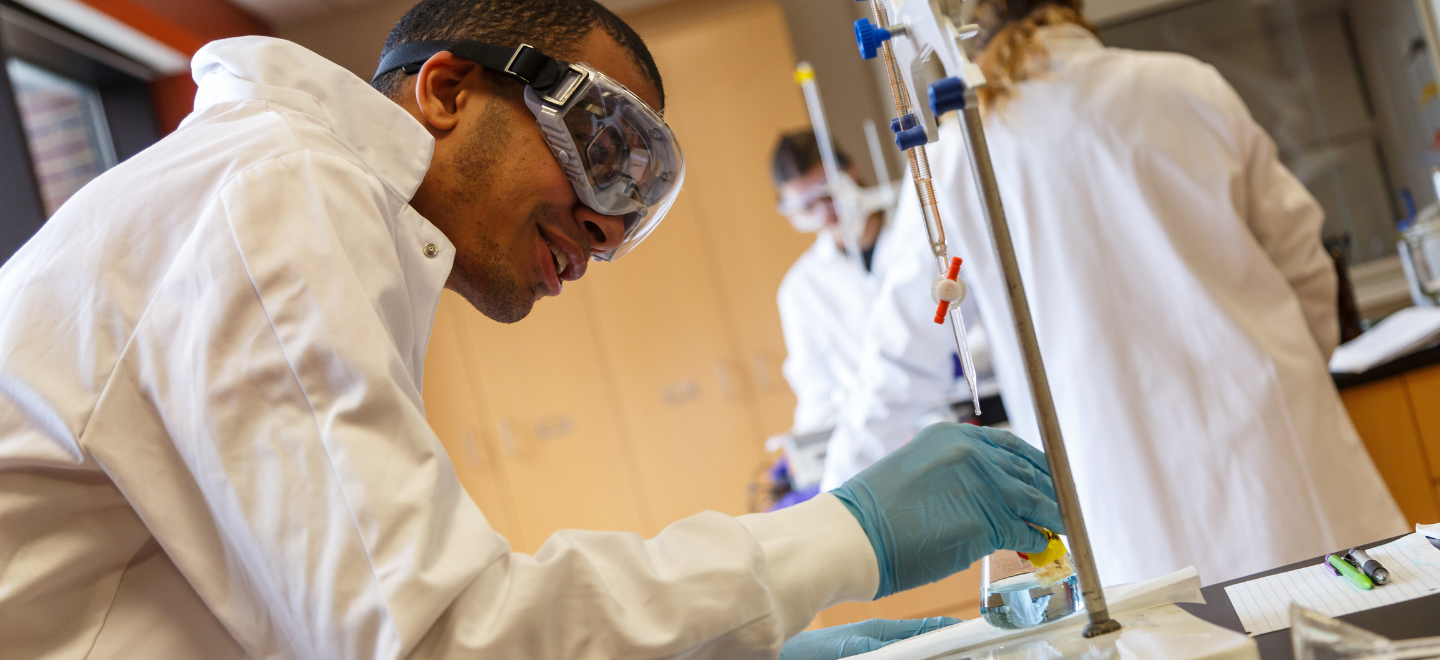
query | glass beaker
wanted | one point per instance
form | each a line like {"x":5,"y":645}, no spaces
{"x":1011,"y":595}
{"x":1314,"y":636}
{"x":1420,"y":257}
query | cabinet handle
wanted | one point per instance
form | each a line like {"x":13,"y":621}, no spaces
{"x":726,"y":380}
{"x":761,"y":366}
{"x":554,"y":426}
{"x":680,"y":392}
{"x":507,"y":438}
{"x":467,"y":445}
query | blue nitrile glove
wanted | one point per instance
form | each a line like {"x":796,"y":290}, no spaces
{"x":953,"y":494}
{"x":856,"y":638}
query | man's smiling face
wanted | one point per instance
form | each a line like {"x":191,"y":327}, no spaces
{"x":494,"y":188}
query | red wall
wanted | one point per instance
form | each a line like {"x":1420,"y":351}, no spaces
{"x":184,"y":25}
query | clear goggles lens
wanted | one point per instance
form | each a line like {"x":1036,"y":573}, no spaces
{"x":804,"y":202}
{"x":620,"y":156}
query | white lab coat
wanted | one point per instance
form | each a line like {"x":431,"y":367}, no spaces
{"x":896,"y":372}
{"x":1185,"y":310}
{"x":828,"y":307}
{"x":212,"y":439}
{"x":824,"y":301}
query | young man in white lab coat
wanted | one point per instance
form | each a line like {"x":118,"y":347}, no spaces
{"x":212,"y":441}
{"x":1183,"y":302}
{"x":828,"y":308}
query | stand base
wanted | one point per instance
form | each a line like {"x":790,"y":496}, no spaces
{"x":1162,"y":632}
{"x":1102,"y":628}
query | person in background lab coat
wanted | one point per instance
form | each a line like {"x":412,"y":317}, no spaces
{"x":212,"y":438}
{"x":827,"y":301}
{"x":1184,"y":305}
{"x":826,"y":295}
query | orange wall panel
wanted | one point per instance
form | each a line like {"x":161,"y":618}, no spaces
{"x":184,"y":25}
{"x":174,"y":98}
{"x":207,"y":19}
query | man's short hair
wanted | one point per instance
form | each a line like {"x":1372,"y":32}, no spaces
{"x":796,"y":154}
{"x":556,"y":27}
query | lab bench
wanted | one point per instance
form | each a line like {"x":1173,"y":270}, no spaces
{"x":1396,"y":409}
{"x":1405,"y":620}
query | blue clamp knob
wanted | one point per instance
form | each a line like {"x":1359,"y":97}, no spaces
{"x":869,"y":36}
{"x":947,"y":94}
{"x":908,"y":132}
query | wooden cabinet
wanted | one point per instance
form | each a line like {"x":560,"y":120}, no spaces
{"x":956,"y":596}
{"x":1399,"y":420}
{"x":553,"y":422}
{"x":672,"y":361}
{"x":455,"y":415}
{"x":729,"y":105}
{"x":1424,"y":389}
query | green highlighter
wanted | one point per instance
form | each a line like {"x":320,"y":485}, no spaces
{"x":1349,"y":571}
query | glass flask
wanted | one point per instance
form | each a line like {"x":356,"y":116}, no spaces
{"x":1315,"y":636}
{"x":1011,"y":595}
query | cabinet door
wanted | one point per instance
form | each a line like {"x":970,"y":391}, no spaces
{"x":454,"y":412}
{"x":553,"y":420}
{"x":729,"y":105}
{"x":664,"y":334}
{"x":1424,"y":387}
{"x":1384,"y":416}
{"x":957,"y":596}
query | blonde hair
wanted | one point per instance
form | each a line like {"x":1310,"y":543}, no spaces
{"x":1012,"y":54}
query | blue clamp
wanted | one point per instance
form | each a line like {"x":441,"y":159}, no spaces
{"x":947,"y":94}
{"x":869,"y":37}
{"x":908,"y":132}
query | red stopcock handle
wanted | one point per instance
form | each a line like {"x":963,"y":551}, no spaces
{"x":953,"y":275}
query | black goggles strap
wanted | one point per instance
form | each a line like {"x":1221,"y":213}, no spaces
{"x":524,"y":63}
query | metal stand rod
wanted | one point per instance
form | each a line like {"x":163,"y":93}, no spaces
{"x":851,"y":226}
{"x":1060,"y":474}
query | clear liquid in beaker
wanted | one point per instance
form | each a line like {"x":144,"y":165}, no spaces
{"x":1018,"y":601}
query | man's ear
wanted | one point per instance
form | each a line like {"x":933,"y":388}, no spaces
{"x":445,"y":84}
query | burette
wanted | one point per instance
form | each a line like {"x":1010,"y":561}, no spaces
{"x":853,"y":207}
{"x":948,"y":289}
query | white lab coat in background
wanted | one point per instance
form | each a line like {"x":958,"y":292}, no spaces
{"x":828,"y":308}
{"x":1185,"y":310}
{"x":824,"y":300}
{"x":212,"y":439}
{"x":900,"y":369}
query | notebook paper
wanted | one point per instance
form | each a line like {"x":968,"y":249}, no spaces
{"x":1264,"y":603}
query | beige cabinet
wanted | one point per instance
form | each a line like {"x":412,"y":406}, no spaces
{"x":455,"y":414}
{"x":673,"y":365}
{"x":546,"y":394}
{"x":736,"y":94}
{"x":956,"y":596}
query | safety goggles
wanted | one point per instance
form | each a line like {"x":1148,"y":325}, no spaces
{"x":805,"y":210}
{"x":618,"y":153}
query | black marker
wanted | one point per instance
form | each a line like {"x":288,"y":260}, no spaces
{"x":1376,"y":572}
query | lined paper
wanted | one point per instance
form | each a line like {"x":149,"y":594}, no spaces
{"x":1264,"y":603}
